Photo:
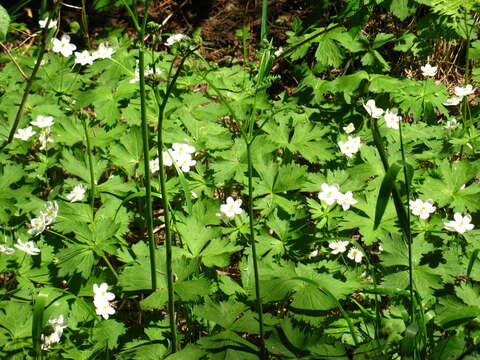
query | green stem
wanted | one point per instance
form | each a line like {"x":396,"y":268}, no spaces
{"x":408,"y":233}
{"x":110,"y":266}
{"x":90,"y":167}
{"x":146,"y":157}
{"x":162,"y":103}
{"x":264,"y":28}
{"x":263,"y":353}
{"x":85,"y":25}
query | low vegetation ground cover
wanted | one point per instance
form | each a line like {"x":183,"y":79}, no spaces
{"x":314,"y":200}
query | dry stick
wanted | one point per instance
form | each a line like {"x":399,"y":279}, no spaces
{"x":43,"y":45}
{"x":17,"y":65}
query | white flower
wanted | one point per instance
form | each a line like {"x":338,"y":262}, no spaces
{"x":43,"y":23}
{"x":428,"y":70}
{"x":346,"y":200}
{"x":450,"y":124}
{"x":462,"y":91}
{"x":6,"y":250}
{"x":329,"y":193}
{"x":355,"y":254}
{"x":77,"y":194}
{"x":460,"y":224}
{"x":103,"y":52}
{"x":24,"y":134}
{"x":313,"y":254}
{"x":51,"y":212}
{"x":174,"y":39}
{"x":194,"y":195}
{"x":45,"y":137}
{"x":37,"y":225}
{"x":103,"y":308}
{"x":101,"y":300}
{"x":63,"y":46}
{"x":83,"y":58}
{"x":349,"y":128}
{"x":372,"y":110}
{"x":28,"y":247}
{"x":168,"y":157}
{"x":55,"y":330}
{"x":230,"y":208}
{"x":351,"y":146}
{"x":148,"y":71}
{"x":43,"y":121}
{"x":154,"y":165}
{"x":278,"y":52}
{"x":101,"y":293}
{"x":338,"y":246}
{"x":392,"y":119}
{"x":421,"y":208}
{"x":453,"y":101}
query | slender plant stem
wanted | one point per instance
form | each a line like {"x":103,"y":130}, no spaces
{"x":264,"y":28}
{"x":90,"y":166}
{"x":146,"y":158}
{"x":408,"y":233}
{"x":162,"y":103}
{"x":112,"y":269}
{"x":86,"y":36}
{"x":263,"y":353}
{"x":26,"y":92}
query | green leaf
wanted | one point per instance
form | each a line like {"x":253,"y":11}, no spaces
{"x":106,"y":333}
{"x":402,"y":8}
{"x":386,"y":188}
{"x":4,"y":22}
{"x":76,"y":259}
{"x":446,"y":187}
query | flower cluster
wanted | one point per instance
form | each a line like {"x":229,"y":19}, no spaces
{"x":230,"y":209}
{"x":44,"y":123}
{"x":102,"y":299}
{"x":53,"y":332}
{"x":64,"y":47}
{"x":423,"y":209}
{"x":46,"y":218}
{"x":339,"y":247}
{"x":331,"y":194}
{"x":460,"y":93}
{"x":180,"y":153}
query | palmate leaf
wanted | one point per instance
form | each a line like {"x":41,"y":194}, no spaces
{"x":76,"y":259}
{"x":308,"y":139}
{"x":10,"y":175}
{"x":446,"y":190}
{"x":365,"y":222}
{"x":106,"y":333}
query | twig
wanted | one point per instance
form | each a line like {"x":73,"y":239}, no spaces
{"x":17,"y":65}
{"x":43,"y":45}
